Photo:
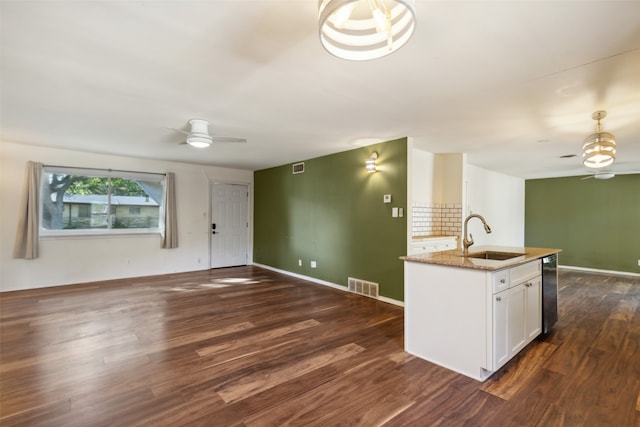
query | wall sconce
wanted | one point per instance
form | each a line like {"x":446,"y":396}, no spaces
{"x":371,"y":162}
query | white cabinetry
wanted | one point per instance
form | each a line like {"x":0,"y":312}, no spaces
{"x":469,"y":320}
{"x":517,"y":311}
{"x":433,"y":244}
{"x":508,"y":325}
{"x":533,"y":299}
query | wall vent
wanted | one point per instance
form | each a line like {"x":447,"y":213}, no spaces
{"x":298,"y":168}
{"x":363,"y":287}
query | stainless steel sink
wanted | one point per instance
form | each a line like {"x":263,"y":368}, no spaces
{"x":496,"y":256}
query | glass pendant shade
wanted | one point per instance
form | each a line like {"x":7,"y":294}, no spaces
{"x":359,"y":30}
{"x":199,"y":141}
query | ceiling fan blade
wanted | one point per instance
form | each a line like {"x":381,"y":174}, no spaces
{"x":179,"y":130}
{"x":231,"y":139}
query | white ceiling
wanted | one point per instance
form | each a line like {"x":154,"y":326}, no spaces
{"x":511,"y":83}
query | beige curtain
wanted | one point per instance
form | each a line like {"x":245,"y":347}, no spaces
{"x":170,"y":235}
{"x":26,"y":245}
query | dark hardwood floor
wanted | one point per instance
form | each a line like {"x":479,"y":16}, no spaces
{"x":249,"y":347}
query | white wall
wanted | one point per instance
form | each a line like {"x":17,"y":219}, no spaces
{"x":499,"y":199}
{"x":421,"y":176}
{"x":449,"y":174}
{"x":67,"y":260}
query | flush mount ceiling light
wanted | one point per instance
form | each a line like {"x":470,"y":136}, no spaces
{"x":365,"y":29}
{"x":371,"y":162}
{"x":199,"y":136}
{"x":599,"y":149}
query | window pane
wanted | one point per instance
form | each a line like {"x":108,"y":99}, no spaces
{"x":74,"y":202}
{"x":134,"y":208}
{"x":84,"y":211}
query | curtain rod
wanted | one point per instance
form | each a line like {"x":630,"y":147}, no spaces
{"x":102,"y":169}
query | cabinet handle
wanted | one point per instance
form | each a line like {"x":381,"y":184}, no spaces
{"x":528,"y":284}
{"x":498,"y":298}
{"x":502,"y":280}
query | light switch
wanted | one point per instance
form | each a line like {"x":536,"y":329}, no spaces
{"x":394,"y":212}
{"x":400,"y":212}
{"x":387,"y":198}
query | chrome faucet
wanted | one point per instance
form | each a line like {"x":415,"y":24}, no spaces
{"x":468,"y":241}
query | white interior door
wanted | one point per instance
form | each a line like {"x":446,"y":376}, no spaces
{"x":229,"y":225}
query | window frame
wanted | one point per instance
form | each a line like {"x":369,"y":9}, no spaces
{"x":101,"y":173}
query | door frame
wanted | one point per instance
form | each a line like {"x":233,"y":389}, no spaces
{"x":249,"y":187}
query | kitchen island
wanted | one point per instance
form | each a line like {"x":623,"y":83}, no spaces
{"x":472,"y":315}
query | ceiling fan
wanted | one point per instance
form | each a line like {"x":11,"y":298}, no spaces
{"x":199,"y":136}
{"x":600,"y":175}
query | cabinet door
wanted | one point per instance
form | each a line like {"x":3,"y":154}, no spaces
{"x":517,"y":334}
{"x":533,"y":289}
{"x":516,"y":330}
{"x":509,"y":335}
{"x":500,"y":320}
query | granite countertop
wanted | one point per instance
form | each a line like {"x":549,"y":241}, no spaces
{"x":454,"y":258}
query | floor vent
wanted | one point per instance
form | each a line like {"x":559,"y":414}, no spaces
{"x":363,"y":287}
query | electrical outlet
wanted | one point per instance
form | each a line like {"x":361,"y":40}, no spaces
{"x":299,"y":263}
{"x":313,"y":264}
{"x":639,"y":263}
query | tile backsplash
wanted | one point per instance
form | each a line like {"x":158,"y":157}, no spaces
{"x":436,"y":219}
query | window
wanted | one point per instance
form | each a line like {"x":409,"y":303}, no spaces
{"x":90,"y":201}
{"x":84,"y":211}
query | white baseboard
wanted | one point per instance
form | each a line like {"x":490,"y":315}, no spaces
{"x":325,"y":283}
{"x":595,"y":270}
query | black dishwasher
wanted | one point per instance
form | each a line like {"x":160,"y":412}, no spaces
{"x":549,"y":292}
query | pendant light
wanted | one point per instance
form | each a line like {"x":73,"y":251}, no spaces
{"x":359,"y":30}
{"x":599,"y":149}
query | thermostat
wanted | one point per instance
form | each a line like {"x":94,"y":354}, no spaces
{"x":387,"y":198}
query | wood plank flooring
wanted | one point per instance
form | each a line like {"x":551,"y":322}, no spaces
{"x":249,"y":347}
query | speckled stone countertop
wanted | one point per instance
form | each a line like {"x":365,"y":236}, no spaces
{"x":454,"y":258}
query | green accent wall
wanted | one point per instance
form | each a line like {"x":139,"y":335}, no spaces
{"x":334,"y":214}
{"x":595,"y":222}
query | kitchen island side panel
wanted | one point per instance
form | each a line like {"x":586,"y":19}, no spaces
{"x":446,"y":311}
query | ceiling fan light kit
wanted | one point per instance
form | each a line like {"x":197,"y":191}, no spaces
{"x":599,"y":149}
{"x":359,"y":30}
{"x":604,"y":175}
{"x":199,"y":135}
{"x":198,"y":141}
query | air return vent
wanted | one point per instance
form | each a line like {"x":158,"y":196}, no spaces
{"x":298,"y":168}
{"x":363,"y":287}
